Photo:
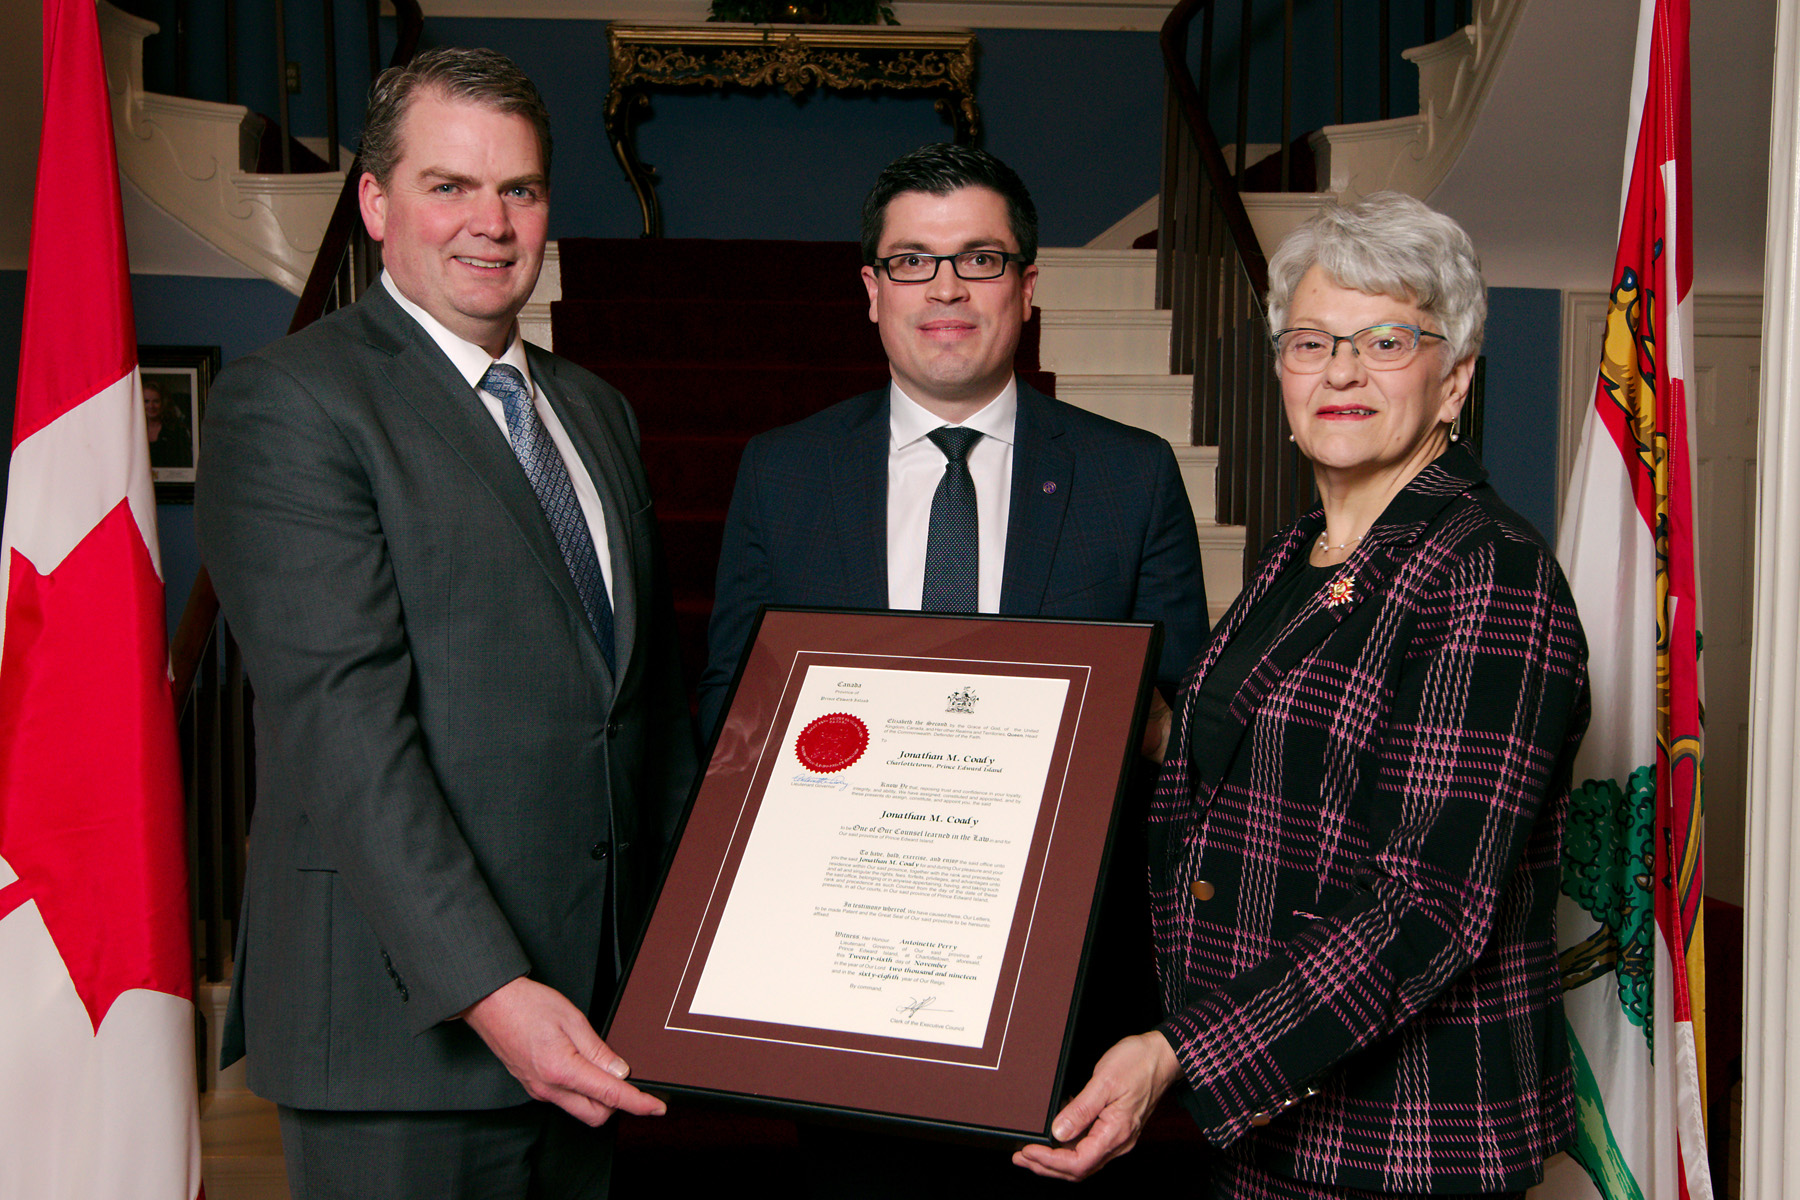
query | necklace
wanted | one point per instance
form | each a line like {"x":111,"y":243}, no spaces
{"x":1324,"y":549}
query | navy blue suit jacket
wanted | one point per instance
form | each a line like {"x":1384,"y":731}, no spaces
{"x":1113,"y":539}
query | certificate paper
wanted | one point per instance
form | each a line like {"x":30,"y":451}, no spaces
{"x":883,"y":893}
{"x":878,"y":887}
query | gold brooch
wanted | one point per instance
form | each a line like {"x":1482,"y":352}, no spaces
{"x":1338,"y":590}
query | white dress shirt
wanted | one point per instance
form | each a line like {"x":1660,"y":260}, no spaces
{"x":472,"y":362}
{"x":915,"y":468}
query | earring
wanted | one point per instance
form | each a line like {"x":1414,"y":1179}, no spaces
{"x":1290,"y":437}
{"x":1456,"y":428}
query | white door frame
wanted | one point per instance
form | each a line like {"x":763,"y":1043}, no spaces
{"x":1771,"y":1165}
{"x":1583,"y":330}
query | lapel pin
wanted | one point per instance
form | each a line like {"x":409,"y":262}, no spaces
{"x":1049,"y":487}
{"x":1338,"y":590}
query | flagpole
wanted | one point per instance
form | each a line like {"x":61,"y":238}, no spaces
{"x":1771,"y":1089}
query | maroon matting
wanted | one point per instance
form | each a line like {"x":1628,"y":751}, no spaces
{"x":1010,"y":1085}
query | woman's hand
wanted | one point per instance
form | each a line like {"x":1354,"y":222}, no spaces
{"x":1110,"y":1112}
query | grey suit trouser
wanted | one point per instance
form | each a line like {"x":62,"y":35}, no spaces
{"x":533,"y":1151}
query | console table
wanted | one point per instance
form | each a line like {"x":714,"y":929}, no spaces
{"x":934,"y":63}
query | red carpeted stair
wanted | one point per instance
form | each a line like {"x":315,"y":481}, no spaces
{"x":713,"y":342}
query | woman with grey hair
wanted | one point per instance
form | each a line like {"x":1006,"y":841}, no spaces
{"x":1355,"y":843}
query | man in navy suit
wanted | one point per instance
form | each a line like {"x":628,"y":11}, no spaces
{"x":867,"y":505}
{"x":1073,"y":515}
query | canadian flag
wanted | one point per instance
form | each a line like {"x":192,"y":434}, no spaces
{"x":97,"y":1095}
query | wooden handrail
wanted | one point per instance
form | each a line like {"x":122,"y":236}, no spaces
{"x":1213,"y":276}
{"x":1173,"y":41}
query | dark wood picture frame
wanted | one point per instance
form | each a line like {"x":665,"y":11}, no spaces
{"x":1004,"y":1088}
{"x":181,"y":377}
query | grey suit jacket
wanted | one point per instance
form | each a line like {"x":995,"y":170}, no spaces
{"x":453,"y":789}
{"x":1099,"y":527}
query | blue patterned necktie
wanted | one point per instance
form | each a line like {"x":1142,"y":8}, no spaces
{"x":952,"y":551}
{"x":549,"y":478}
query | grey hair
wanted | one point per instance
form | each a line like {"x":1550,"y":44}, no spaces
{"x":1389,"y":244}
{"x":485,"y":77}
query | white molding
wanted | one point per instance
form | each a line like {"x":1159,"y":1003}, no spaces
{"x":1584,"y":328}
{"x":1128,"y":15}
{"x":534,"y":318}
{"x":1771,"y":1166}
{"x":1274,"y":215}
{"x":1413,"y":154}
{"x":1105,"y":342}
{"x":183,"y":156}
{"x":1162,"y":404}
{"x":1222,"y":561}
{"x":1084,"y":277}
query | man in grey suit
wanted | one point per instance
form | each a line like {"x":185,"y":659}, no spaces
{"x":436,"y":546}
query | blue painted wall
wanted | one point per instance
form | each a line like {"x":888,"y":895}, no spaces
{"x":1524,"y":357}
{"x":1077,"y":114}
{"x":237,"y":315}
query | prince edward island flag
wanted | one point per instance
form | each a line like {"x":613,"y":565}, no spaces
{"x":1630,"y":916}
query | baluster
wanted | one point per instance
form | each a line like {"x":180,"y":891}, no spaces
{"x":328,"y":23}
{"x":1386,"y":52}
{"x":1246,"y":25}
{"x":1205,"y":417}
{"x":1287,"y":92}
{"x":1168,"y":202}
{"x":1256,"y":441}
{"x":1337,"y":50}
{"x":281,"y":91}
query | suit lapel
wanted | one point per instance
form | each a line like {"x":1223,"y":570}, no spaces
{"x":859,"y":477}
{"x":1043,"y":476}
{"x":1362,"y":579}
{"x":427,"y":382}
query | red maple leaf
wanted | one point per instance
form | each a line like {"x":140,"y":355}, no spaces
{"x":91,"y":810}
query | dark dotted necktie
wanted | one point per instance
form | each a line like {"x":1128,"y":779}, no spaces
{"x":549,"y":478}
{"x":952,"y":552}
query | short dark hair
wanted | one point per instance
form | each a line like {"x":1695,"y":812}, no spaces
{"x":485,"y":77}
{"x":938,"y":170}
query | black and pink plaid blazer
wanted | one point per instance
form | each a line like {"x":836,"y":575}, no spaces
{"x":1353,"y":886}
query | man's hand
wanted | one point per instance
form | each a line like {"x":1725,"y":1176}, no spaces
{"x":1110,"y":1111}
{"x":550,"y":1048}
{"x":1156,"y":727}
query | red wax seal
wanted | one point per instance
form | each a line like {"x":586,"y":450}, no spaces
{"x":831,"y":743}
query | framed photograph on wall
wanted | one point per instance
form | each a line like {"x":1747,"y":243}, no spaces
{"x":176,"y":380}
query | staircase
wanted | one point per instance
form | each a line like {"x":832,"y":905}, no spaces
{"x":1100,"y":342}
{"x":186,"y":157}
{"x":1108,"y":344}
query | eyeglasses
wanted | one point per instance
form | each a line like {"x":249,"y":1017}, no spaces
{"x":1382,"y":347}
{"x":973,"y":265}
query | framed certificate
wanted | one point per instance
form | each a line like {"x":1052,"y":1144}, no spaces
{"x":882,"y":899}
